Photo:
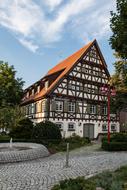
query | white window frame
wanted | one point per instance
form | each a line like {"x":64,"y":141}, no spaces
{"x":71,"y":106}
{"x":104,"y":127}
{"x":59,"y":105}
{"x":71,"y":126}
{"x":113,"y":126}
{"x":93,"y":109}
{"x":60,"y":125}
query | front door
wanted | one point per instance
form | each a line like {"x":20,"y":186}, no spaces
{"x":88,"y":130}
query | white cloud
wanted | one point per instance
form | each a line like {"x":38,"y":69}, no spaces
{"x":95,"y":25}
{"x":53,"y":3}
{"x":32,"y":26}
{"x":29,"y":44}
{"x":64,"y":15}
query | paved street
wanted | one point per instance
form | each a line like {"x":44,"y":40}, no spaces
{"x":42,"y":174}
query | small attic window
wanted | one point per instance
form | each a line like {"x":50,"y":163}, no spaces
{"x":27,"y":94}
{"x":38,"y":89}
{"x":46,"y":84}
{"x":32,"y":91}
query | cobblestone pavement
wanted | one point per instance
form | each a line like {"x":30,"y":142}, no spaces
{"x":43,"y":173}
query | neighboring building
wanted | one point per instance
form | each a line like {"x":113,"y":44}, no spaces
{"x":69,"y":95}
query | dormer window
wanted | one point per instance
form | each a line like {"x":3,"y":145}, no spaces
{"x":27,"y":95}
{"x":38,"y":89}
{"x":46,"y":84}
{"x":32,"y":92}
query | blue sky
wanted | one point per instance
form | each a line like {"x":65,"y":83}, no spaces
{"x":36,"y":34}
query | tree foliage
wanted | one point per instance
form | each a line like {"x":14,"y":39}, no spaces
{"x":23,"y":130}
{"x":118,"y":25}
{"x":10,"y":116}
{"x":119,"y":81}
{"x":11,"y":91}
{"x":10,"y":87}
{"x":46,"y":130}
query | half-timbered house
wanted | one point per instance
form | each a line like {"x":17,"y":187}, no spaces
{"x":69,"y":95}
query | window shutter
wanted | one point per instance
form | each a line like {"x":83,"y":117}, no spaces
{"x":88,"y":108}
{"x":97,"y":110}
{"x":81,"y":88}
{"x":96,"y":91}
{"x":101,"y":110}
{"x":39,"y":107}
{"x":65,"y":105}
{"x":77,"y":108}
{"x":85,"y":89}
{"x":53,"y":105}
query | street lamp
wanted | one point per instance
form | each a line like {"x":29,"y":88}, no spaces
{"x":109,"y":91}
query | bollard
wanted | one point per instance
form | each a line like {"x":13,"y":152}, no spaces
{"x":67,"y":156}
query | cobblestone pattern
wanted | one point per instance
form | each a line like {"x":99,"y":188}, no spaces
{"x":42,"y":174}
{"x":36,"y":151}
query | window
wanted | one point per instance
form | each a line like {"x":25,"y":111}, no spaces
{"x":92,"y":109}
{"x":46,"y":84}
{"x":38,"y":89}
{"x":71,"y":107}
{"x":77,"y":88}
{"x":27,"y":95}
{"x":71,"y":87}
{"x":104,"y":110}
{"x":33,"y":109}
{"x":71,"y":127}
{"x":32,"y":92}
{"x":60,"y":126}
{"x":59,"y":106}
{"x":43,"y":106}
{"x":104,"y":127}
{"x":113,"y":127}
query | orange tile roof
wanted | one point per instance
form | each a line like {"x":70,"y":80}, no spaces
{"x":64,"y":65}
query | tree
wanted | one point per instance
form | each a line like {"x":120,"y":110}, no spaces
{"x":10,"y":116}
{"x":23,"y":130}
{"x":118,"y":26}
{"x":119,"y":81}
{"x":11,"y":91}
{"x":11,"y":88}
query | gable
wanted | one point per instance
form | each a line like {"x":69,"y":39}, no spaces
{"x":90,"y":67}
{"x":76,"y":62}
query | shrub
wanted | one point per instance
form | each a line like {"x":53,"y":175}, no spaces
{"x":76,"y":184}
{"x":114,"y":146}
{"x":23,"y":130}
{"x":46,"y":130}
{"x":118,"y":142}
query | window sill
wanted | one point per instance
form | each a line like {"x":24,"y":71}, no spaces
{"x":71,"y":129}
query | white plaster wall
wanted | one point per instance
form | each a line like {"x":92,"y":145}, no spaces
{"x":79,"y":127}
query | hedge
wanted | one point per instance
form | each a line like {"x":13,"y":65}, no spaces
{"x":114,"y":146}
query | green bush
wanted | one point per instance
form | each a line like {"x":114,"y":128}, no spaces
{"x":23,"y":130}
{"x":114,"y":146}
{"x":76,"y":184}
{"x":119,"y":137}
{"x":4,"y":138}
{"x":118,"y":142}
{"x":46,"y":130}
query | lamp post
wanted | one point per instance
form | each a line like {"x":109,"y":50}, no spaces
{"x":109,"y":91}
